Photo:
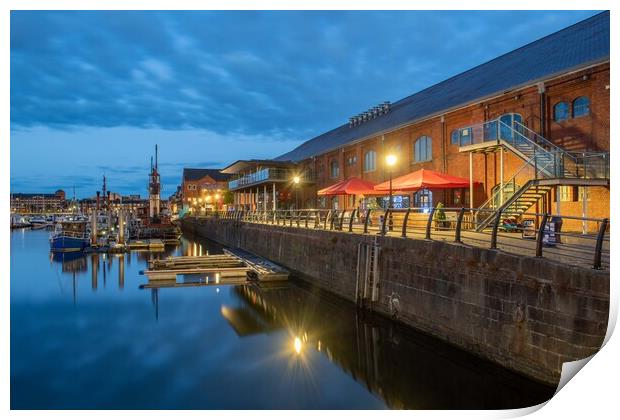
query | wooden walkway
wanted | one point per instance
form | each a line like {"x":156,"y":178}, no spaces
{"x":234,"y":263}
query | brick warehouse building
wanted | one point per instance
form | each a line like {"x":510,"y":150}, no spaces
{"x":203,"y":188}
{"x":532,"y":126}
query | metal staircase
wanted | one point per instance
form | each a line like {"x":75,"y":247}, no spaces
{"x":548,"y":162}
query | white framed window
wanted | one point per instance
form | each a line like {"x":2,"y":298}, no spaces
{"x":423,"y":149}
{"x":370,"y":161}
{"x":334,"y":169}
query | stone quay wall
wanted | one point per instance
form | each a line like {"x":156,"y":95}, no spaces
{"x":527,"y":314}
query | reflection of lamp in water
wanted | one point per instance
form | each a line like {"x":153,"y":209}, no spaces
{"x":297,"y":345}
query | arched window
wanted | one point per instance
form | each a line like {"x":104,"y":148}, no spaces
{"x":581,"y":107}
{"x":370,"y":161}
{"x":334,"y":169}
{"x":423,"y":149}
{"x":560,"y":111}
{"x":423,"y":198}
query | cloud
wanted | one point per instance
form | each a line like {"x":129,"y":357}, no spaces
{"x":245,"y":72}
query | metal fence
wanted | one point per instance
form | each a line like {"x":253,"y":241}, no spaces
{"x":511,"y":232}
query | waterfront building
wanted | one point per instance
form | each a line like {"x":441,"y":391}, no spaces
{"x":38,"y":202}
{"x":529,"y":128}
{"x":267,"y":184}
{"x":203,"y":188}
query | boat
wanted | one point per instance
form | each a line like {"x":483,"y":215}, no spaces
{"x":19,"y":221}
{"x":70,"y":236}
{"x":38,"y":222}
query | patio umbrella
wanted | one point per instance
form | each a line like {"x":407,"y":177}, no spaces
{"x":351,"y":186}
{"x":424,"y":178}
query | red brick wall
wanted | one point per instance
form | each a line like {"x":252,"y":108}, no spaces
{"x":584,"y":133}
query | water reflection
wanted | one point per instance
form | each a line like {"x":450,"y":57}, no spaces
{"x":406,"y":369}
{"x":219,"y":346}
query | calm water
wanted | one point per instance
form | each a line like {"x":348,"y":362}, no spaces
{"x":85,"y":335}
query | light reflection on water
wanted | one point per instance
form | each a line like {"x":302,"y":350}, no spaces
{"x":84,"y":335}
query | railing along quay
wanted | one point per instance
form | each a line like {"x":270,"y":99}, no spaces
{"x":540,"y":238}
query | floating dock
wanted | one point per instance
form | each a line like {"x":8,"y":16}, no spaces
{"x":232,"y":264}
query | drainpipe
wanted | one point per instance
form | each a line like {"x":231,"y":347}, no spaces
{"x":443,"y":144}
{"x":543,"y":117}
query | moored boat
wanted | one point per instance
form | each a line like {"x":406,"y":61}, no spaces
{"x":70,"y":236}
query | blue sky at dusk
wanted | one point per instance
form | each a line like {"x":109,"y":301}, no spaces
{"x":92,"y":92}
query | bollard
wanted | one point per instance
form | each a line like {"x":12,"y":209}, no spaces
{"x":598,"y":250}
{"x":429,"y":222}
{"x":541,"y":231}
{"x":459,"y":223}
{"x":498,"y":216}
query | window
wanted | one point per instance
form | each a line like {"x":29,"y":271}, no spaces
{"x":560,"y":111}
{"x":454,"y":137}
{"x":423,"y":149}
{"x":191,"y":187}
{"x":352,"y":160}
{"x":581,"y":107}
{"x":566,"y":193}
{"x":334,"y":169}
{"x":508,"y":125}
{"x":423,"y":198}
{"x":370,"y":161}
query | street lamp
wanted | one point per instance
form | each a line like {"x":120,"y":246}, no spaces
{"x":390,"y":161}
{"x":296,"y":180}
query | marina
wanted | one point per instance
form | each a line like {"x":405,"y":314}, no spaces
{"x":302,"y":348}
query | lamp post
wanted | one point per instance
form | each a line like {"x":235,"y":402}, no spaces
{"x":390,"y":161}
{"x":296,"y":181}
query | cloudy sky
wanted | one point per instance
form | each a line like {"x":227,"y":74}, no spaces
{"x":93,"y":92}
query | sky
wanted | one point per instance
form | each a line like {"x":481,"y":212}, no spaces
{"x":92,"y":92}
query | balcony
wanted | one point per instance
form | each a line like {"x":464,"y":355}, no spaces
{"x":260,"y":176}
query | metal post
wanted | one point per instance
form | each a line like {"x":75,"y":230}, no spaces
{"x":599,"y":244}
{"x":471,"y":181}
{"x":273,"y":204}
{"x":341,"y":220}
{"x":306,"y":219}
{"x":331,"y":219}
{"x":459,"y":224}
{"x":351,"y":217}
{"x":501,"y":176}
{"x":429,"y":222}
{"x":368,"y":211}
{"x":385,"y":216}
{"x":541,"y":231}
{"x":404,"y":233}
{"x":498,"y":216}
{"x":329,"y":214}
{"x":298,"y":217}
{"x":584,"y":210}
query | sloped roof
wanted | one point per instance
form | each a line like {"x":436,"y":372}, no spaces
{"x":579,"y":45}
{"x":193,"y":174}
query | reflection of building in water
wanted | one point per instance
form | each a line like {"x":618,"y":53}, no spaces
{"x":121,"y":271}
{"x":94,"y":270}
{"x":406,"y":369}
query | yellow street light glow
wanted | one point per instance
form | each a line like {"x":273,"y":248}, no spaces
{"x":297,"y":345}
{"x":390,"y":160}
{"x":217,"y":196}
{"x":296,"y":179}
